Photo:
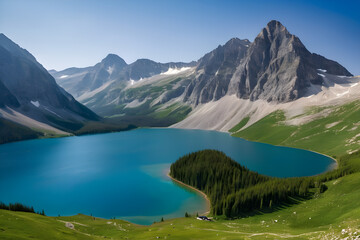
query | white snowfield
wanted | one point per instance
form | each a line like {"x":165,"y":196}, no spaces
{"x":186,"y":71}
{"x":228,"y":111}
{"x":172,"y":71}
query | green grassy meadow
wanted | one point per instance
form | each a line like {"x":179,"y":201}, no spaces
{"x":335,"y":133}
{"x":324,"y":216}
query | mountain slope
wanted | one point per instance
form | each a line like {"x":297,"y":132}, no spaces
{"x":112,"y":69}
{"x":6,"y":98}
{"x":275,"y":68}
{"x":28,"y":90}
{"x":214,"y":72}
{"x":11,"y":131}
{"x":279,"y":68}
{"x":224,"y":114}
{"x":133,"y":93}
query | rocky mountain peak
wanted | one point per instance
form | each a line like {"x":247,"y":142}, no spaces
{"x":113,"y":59}
{"x":276,"y":36}
{"x":237,"y":42}
{"x":275,"y":67}
{"x":275,"y":28}
{"x":215,"y":70}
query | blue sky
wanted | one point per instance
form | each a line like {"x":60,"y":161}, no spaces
{"x":68,"y":33}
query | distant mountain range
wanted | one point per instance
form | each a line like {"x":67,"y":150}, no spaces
{"x":276,"y":67}
{"x":112,"y":68}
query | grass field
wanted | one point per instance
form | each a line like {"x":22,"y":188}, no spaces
{"x":327,"y":216}
{"x":334,"y":214}
{"x":335,"y":132}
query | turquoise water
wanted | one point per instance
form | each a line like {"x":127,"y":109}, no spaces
{"x":123,"y":174}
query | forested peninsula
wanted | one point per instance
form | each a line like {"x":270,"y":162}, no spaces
{"x":234,"y":190}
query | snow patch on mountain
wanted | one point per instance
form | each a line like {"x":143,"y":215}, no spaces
{"x":110,"y":70}
{"x":172,"y":71}
{"x":35,"y":103}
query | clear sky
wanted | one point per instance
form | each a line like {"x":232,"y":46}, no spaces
{"x":68,"y":33}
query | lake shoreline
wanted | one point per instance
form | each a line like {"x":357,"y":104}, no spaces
{"x":335,"y":165}
{"x":208,"y":203}
{"x":336,"y":162}
{"x":155,"y":149}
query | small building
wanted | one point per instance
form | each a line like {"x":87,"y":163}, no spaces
{"x":203,"y":218}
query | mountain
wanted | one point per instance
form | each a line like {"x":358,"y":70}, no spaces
{"x":81,"y":80}
{"x":30,"y":96}
{"x":6,"y":98}
{"x":214,"y":72}
{"x":277,"y":73}
{"x":110,"y":88}
{"x":111,"y":70}
{"x":276,"y":68}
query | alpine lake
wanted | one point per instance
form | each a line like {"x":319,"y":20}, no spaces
{"x":124,"y":174}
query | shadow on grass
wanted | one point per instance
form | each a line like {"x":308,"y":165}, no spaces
{"x":291,"y":202}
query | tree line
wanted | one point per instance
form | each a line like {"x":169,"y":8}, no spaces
{"x":233,"y":189}
{"x":19,"y":207}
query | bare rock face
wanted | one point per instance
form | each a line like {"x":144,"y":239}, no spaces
{"x":6,"y":98}
{"x":275,"y":67}
{"x":215,"y":70}
{"x":278,"y":67}
{"x":101,"y":73}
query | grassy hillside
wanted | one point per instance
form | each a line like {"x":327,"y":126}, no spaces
{"x":240,"y":125}
{"x":145,"y":105}
{"x":331,"y":130}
